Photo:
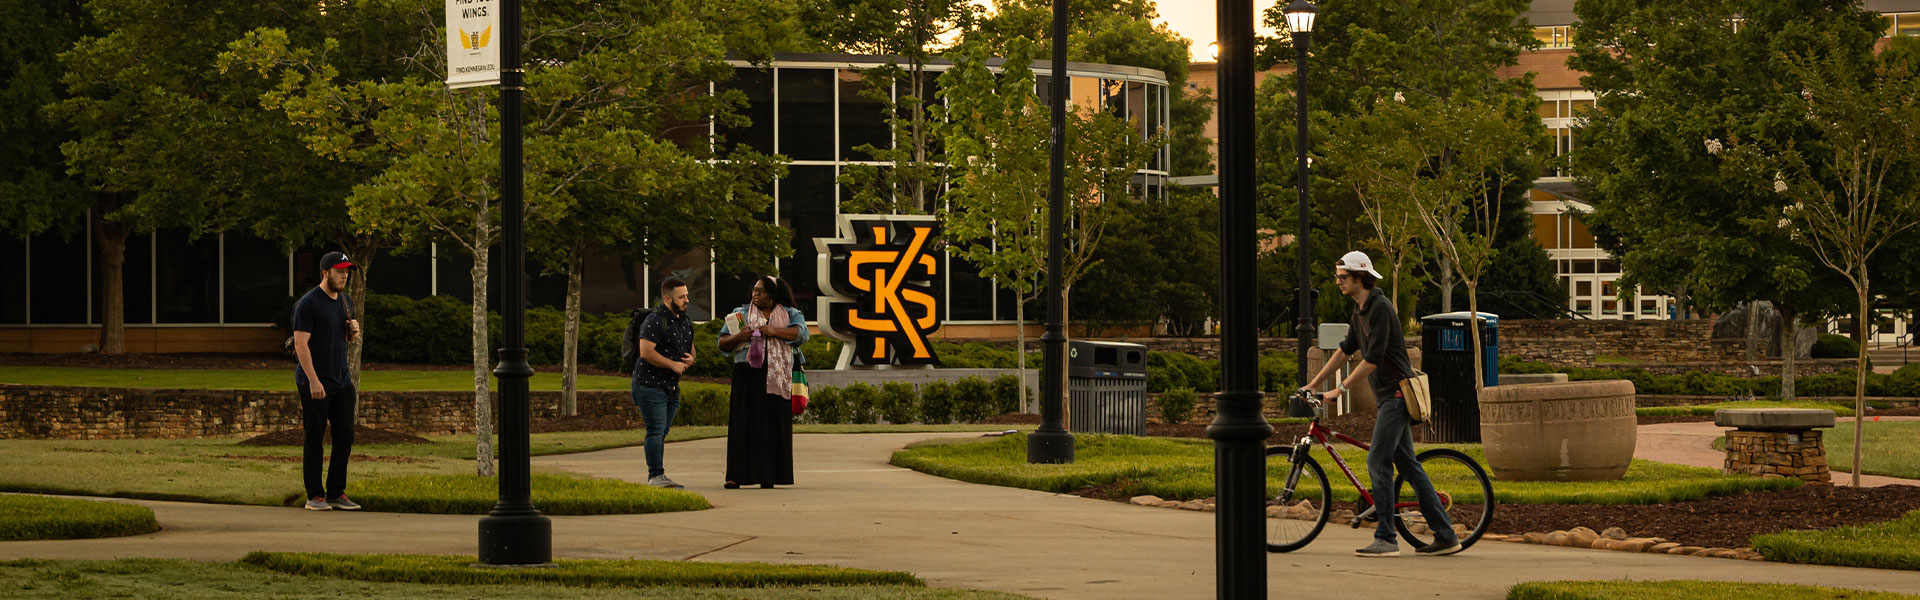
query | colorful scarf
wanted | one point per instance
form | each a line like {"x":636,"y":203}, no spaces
{"x":779,"y":355}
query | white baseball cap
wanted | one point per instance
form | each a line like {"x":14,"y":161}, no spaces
{"x":1357,"y":261}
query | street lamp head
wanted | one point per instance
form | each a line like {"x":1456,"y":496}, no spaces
{"x":1300,"y":16}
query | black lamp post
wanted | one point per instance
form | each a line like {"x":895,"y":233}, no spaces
{"x":1239,"y":430}
{"x":1300,"y":21}
{"x":515,"y":533}
{"x":1051,"y":443}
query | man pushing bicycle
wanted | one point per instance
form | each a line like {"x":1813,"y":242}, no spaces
{"x":1376,"y":337}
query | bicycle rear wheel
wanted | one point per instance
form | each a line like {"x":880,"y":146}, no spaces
{"x":1465,"y":491}
{"x":1297,"y":513}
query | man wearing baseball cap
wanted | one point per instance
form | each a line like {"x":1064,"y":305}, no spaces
{"x":323,"y":323}
{"x":1376,"y":337}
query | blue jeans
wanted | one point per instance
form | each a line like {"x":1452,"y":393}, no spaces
{"x":1393,"y":447}
{"x":657,"y":407}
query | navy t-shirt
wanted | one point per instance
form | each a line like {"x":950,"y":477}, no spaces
{"x":325,"y":319}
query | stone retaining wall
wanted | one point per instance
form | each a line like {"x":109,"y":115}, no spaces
{"x":60,"y":412}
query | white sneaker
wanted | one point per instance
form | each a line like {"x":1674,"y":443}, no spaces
{"x":661,"y":481}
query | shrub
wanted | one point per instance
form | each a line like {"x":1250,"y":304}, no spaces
{"x":821,"y":352}
{"x":1176,"y":405}
{"x":972,"y":400}
{"x":1278,"y":371}
{"x":39,"y":518}
{"x":861,"y":403}
{"x":702,"y":406}
{"x":826,"y":407}
{"x":936,"y":403}
{"x":434,"y":330}
{"x":899,"y":403}
{"x":1835,"y":346}
{"x":1006,"y":394}
{"x":469,"y":494}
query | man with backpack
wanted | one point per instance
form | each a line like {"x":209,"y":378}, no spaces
{"x":322,"y":326}
{"x":660,"y":350}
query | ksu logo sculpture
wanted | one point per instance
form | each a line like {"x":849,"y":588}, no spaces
{"x":881,"y":287}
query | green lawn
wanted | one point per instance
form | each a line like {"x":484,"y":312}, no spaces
{"x":1183,"y":470}
{"x":282,"y":379}
{"x":1889,"y":450}
{"x":41,"y":518}
{"x":189,"y":580}
{"x":1886,"y":545}
{"x":1687,"y":590}
{"x":1706,"y":410}
{"x":220,"y":471}
{"x":470,"y":494}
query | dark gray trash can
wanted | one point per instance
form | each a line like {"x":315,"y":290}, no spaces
{"x":1106,"y":387}
{"x":1446,"y":347}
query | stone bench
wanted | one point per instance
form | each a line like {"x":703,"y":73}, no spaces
{"x":1776,"y":442}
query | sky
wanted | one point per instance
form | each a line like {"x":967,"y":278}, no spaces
{"x":1194,"y":20}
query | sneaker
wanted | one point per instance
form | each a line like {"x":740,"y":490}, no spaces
{"x":318,"y":503}
{"x":1440,"y":548}
{"x":342,"y":503}
{"x":1380,"y":548}
{"x":661,"y":481}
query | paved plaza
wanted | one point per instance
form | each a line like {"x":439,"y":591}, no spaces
{"x":852,"y":509}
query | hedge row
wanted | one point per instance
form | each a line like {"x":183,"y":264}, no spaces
{"x":969,"y":400}
{"x":1902,"y":383}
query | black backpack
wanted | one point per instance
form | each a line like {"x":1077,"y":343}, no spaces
{"x":630,"y":341}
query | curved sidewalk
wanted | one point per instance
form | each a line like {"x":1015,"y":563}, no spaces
{"x":1692,"y":444}
{"x":853,"y":509}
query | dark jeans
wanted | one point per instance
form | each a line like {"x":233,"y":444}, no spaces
{"x":1393,"y":447}
{"x":657,"y":408}
{"x":336,"y":411}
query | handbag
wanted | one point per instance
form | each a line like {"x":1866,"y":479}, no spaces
{"x":1417,"y":394}
{"x":799,"y":391}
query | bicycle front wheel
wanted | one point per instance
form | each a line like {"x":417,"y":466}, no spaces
{"x":1299,"y":510}
{"x":1466,"y":495}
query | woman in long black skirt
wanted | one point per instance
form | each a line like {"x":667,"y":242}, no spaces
{"x":764,"y":338}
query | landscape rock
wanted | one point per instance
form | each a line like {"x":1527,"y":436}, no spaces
{"x":1614,"y":533}
{"x":1146,"y":500}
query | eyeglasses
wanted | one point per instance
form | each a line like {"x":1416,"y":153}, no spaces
{"x":1341,"y":277}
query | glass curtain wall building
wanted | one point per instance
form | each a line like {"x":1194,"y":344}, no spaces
{"x":808,"y":107}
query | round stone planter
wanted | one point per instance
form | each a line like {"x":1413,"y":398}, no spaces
{"x":1574,"y":431}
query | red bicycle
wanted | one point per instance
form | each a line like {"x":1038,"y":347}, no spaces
{"x":1300,"y":510}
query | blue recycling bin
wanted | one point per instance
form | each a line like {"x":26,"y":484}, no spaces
{"x":1447,"y":358}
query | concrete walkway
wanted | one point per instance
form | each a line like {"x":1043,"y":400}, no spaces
{"x":853,"y":509}
{"x":1692,"y":444}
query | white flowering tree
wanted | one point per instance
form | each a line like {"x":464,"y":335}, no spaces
{"x":1852,"y":189}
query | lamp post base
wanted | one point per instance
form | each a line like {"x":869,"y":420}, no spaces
{"x":516,"y":540}
{"x":1050,"y":447}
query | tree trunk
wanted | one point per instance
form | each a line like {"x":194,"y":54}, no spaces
{"x":1020,"y":348}
{"x":1473,"y":322}
{"x":482,"y":397}
{"x":1753,"y":330}
{"x":570,"y":374}
{"x":362,"y":251}
{"x":1861,"y":324}
{"x":1860,"y":381}
{"x":1789,"y":349}
{"x":1446,"y":285}
{"x":111,"y":238}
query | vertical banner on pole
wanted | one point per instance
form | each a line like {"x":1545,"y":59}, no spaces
{"x":473,"y":55}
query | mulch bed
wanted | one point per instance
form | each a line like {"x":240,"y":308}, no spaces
{"x":361,"y":435}
{"x":1724,"y":521}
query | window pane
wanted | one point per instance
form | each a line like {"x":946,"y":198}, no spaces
{"x":256,"y":280}
{"x":1043,"y":89}
{"x":1085,"y":93}
{"x":60,"y":279}
{"x":409,"y":274}
{"x":1137,"y":105}
{"x":806,"y":113}
{"x":863,"y":116}
{"x":969,"y":296}
{"x":757,"y":85}
{"x":807,"y":198}
{"x":1153,"y":105}
{"x":1909,"y":25}
{"x":929,"y":96}
{"x":188,"y":278}
{"x":1113,"y":94}
{"x":613,"y":284}
{"x":692,"y":266}
{"x":13,"y":280}
{"x":136,"y":280}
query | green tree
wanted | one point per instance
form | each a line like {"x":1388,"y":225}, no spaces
{"x":160,"y":138}
{"x":1676,"y":84}
{"x":916,"y":31}
{"x":36,"y":194}
{"x":1853,"y":188}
